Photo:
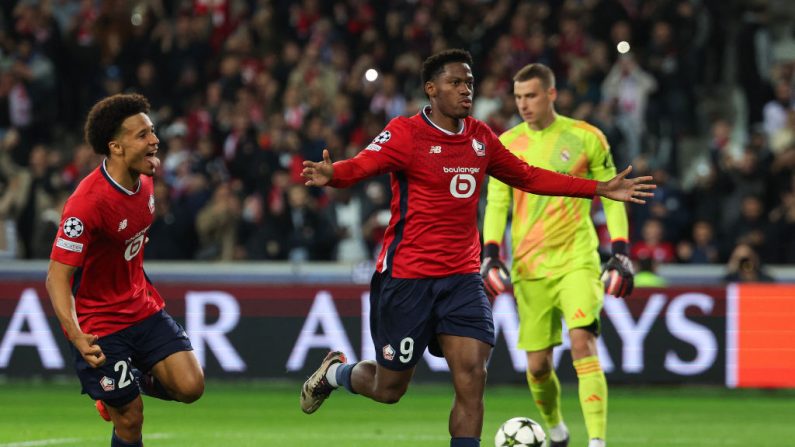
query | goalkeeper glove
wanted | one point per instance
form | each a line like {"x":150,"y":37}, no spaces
{"x":619,"y":276}
{"x":496,"y":276}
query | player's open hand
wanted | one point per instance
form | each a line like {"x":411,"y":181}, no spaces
{"x":318,"y":173}
{"x":625,"y":189}
{"x":87,"y":345}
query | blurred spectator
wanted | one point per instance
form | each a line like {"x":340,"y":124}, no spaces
{"x":626,"y":89}
{"x":217,"y":225}
{"x":744,"y":266}
{"x":781,"y":235}
{"x":388,"y":100}
{"x":172,"y":234}
{"x":652,"y":245}
{"x":754,"y":46}
{"x":38,"y":190}
{"x":750,"y":227}
{"x":345,"y":214}
{"x":776,"y":111}
{"x":702,"y":248}
{"x":310,"y":236}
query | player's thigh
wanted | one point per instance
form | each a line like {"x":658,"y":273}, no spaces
{"x":395,"y":382}
{"x":467,"y":358}
{"x":113,"y":381}
{"x":461,"y":309}
{"x":180,"y":371}
{"x":401,"y":323}
{"x":581,"y":297}
{"x":539,"y":315}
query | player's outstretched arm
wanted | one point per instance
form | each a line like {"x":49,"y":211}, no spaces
{"x":60,"y":291}
{"x":318,"y":173}
{"x":626,"y":189}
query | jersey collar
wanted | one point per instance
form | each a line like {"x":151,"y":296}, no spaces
{"x":115,"y":184}
{"x":427,"y":109}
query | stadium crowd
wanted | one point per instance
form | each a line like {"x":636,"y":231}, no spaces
{"x":244,"y":90}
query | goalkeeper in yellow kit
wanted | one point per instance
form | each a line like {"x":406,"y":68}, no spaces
{"x":555,"y":271}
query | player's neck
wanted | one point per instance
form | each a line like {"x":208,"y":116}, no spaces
{"x":545,"y":122}
{"x":121,"y":174}
{"x":447,"y":123}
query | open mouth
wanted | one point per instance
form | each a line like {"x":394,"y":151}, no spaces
{"x":153,"y":161}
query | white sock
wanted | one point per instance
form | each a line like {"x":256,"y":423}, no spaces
{"x":559,"y":432}
{"x":331,"y":374}
{"x":596,"y":442}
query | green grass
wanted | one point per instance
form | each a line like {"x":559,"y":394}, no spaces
{"x":267,"y":414}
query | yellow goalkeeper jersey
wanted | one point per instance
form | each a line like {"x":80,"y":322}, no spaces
{"x":553,"y":235}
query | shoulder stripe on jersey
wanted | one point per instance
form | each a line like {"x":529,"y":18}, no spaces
{"x":76,"y":279}
{"x":595,"y":131}
{"x":115,"y":184}
{"x":403,"y":186}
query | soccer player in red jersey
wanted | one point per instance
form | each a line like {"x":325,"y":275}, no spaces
{"x":107,"y":307}
{"x":427,"y":290}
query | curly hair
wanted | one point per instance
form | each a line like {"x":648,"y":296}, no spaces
{"x":104,"y":119}
{"x":434,"y":65}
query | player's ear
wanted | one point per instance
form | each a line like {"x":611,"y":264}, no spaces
{"x":552,"y":93}
{"x":115,"y":148}
{"x":430,"y":89}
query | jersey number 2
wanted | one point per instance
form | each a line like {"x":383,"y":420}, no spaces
{"x":126,"y":377}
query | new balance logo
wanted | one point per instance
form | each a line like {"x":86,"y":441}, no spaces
{"x":122,"y":224}
{"x":435,"y":150}
{"x":579,"y":314}
{"x":593,"y":398}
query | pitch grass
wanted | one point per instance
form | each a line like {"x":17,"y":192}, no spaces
{"x":267,"y":414}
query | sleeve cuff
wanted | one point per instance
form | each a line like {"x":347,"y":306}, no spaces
{"x":620,"y":247}
{"x":491,"y":250}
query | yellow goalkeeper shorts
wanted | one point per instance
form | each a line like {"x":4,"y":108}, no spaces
{"x":576,"y":296}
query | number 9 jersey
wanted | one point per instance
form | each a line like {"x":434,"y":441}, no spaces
{"x":102,"y":233}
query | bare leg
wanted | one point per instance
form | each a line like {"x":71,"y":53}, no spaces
{"x":181,"y":375}
{"x":539,"y":363}
{"x":378,"y":383}
{"x":128,"y":420}
{"x":467,"y":359}
{"x":583,"y":343}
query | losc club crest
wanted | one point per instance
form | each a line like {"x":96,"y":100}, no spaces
{"x":480,"y":148}
{"x":388,"y":352}
{"x":151,"y":203}
{"x":107,"y":383}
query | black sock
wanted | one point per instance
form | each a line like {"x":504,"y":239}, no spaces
{"x":116,"y":441}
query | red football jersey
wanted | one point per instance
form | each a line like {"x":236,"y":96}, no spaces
{"x":436,"y":178}
{"x":103,"y":230}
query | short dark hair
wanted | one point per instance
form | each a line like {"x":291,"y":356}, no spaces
{"x":105,"y":118}
{"x":434,"y":65}
{"x":540,"y":71}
